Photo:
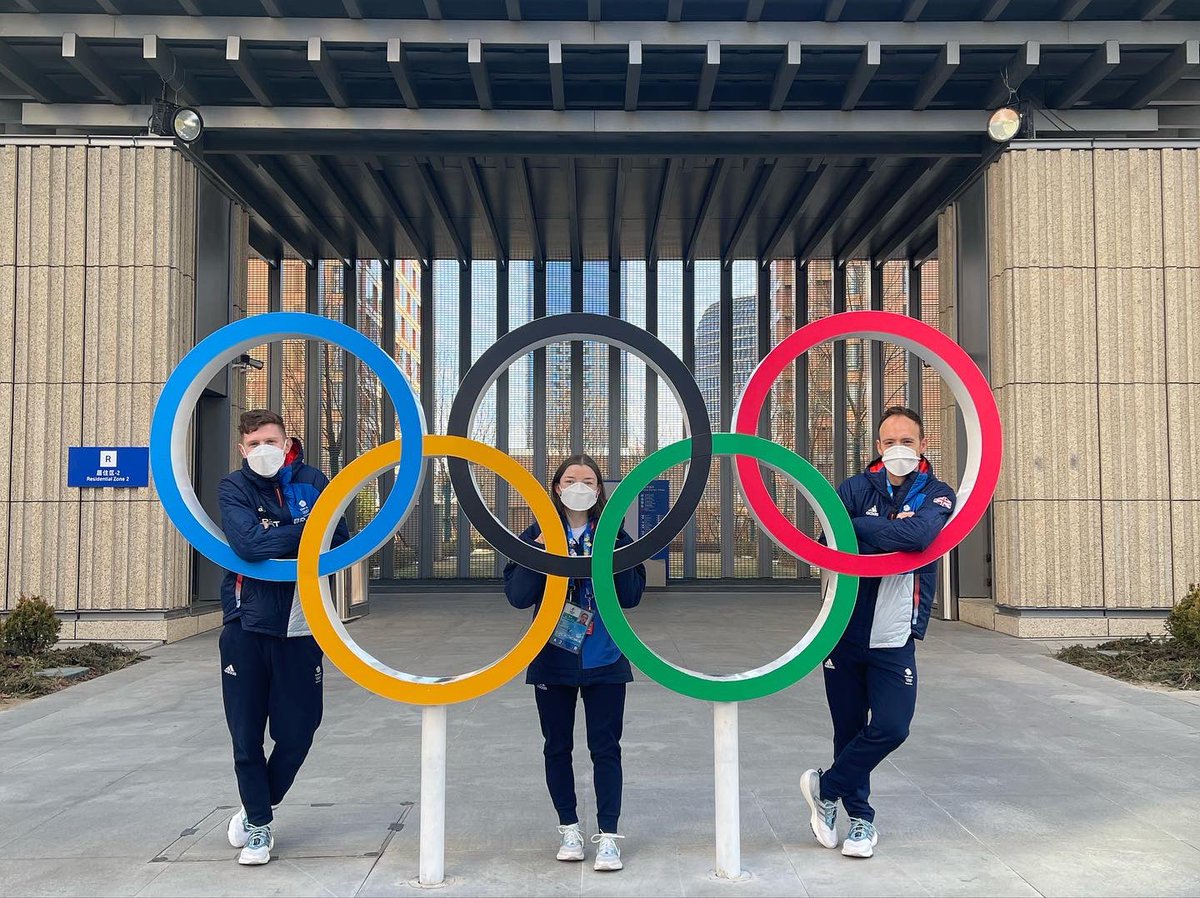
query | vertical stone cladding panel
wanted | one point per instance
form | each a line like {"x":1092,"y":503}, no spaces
{"x":947,"y":323}
{"x":97,"y":287}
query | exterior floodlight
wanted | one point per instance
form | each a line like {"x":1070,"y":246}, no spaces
{"x":1004,"y":124}
{"x":172,"y":120}
{"x":187,"y":124}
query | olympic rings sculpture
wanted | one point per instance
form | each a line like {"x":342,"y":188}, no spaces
{"x":316,"y":559}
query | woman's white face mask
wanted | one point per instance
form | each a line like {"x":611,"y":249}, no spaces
{"x":578,"y":496}
{"x":900,"y":461}
{"x":265,"y":460}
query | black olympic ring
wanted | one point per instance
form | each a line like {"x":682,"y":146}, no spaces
{"x":603,"y":329}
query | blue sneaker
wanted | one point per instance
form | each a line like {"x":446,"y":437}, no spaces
{"x":258,"y":847}
{"x":608,"y":855}
{"x":824,"y":813}
{"x":861,"y":840}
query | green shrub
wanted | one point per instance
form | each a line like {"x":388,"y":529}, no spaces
{"x":1184,"y":620}
{"x":31,"y":628}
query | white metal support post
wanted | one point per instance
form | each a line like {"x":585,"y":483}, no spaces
{"x":728,"y":799}
{"x":433,"y":795}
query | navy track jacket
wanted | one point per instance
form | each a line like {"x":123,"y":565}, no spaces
{"x":263,"y":519}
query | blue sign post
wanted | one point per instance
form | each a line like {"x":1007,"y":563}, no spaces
{"x":653,"y":503}
{"x":114,"y":466}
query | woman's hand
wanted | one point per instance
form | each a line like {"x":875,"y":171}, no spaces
{"x":540,"y":539}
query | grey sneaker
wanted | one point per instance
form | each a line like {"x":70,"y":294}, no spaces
{"x":861,"y":840}
{"x":571,"y":848}
{"x":824,"y":813}
{"x":239,"y":829}
{"x":608,"y":855}
{"x":258,"y":847}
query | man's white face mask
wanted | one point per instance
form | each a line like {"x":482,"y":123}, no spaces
{"x":578,"y":496}
{"x":900,"y":460}
{"x":265,"y":460}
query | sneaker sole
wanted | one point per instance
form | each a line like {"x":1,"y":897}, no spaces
{"x":254,"y":862}
{"x":858,"y":852}
{"x":232,"y":841}
{"x":815,"y":818}
{"x":570,"y":857}
{"x":608,"y":867}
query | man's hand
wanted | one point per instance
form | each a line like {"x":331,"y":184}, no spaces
{"x":905,"y":514}
{"x":540,"y":539}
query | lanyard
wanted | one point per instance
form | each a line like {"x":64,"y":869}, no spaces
{"x":582,"y":545}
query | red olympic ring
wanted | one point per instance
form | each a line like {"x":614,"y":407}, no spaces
{"x":972,"y":392}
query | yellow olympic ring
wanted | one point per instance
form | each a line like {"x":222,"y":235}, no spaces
{"x":330,"y":633}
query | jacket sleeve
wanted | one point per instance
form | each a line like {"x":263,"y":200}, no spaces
{"x":247,"y":536}
{"x":522,"y":587}
{"x":631,"y":582}
{"x":846,"y":494}
{"x":913,"y":534}
{"x":342,"y":533}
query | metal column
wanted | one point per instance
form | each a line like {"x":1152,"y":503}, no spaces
{"x":805,"y":515}
{"x":539,"y":378}
{"x":275,"y":350}
{"x":466,"y":280}
{"x":651,"y":374}
{"x":616,"y":417}
{"x":766,"y":548}
{"x":387,"y":413}
{"x":726,"y":468}
{"x":577,"y":361}
{"x":914,"y":397}
{"x":839,"y":380}
{"x":312,"y":368}
{"x":689,"y":359}
{"x":350,"y":379}
{"x":502,"y":313}
{"x":428,"y":362}
{"x":877,"y":347}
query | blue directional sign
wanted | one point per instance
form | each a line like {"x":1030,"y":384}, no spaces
{"x":116,"y":466}
{"x":653,"y":504}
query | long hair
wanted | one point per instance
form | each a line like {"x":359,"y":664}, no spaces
{"x":581,"y":459}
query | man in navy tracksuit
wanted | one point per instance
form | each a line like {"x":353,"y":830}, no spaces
{"x":896,"y":505}
{"x":271,"y":665}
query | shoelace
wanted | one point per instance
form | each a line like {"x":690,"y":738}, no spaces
{"x":260,"y":837}
{"x":829,"y":809}
{"x":571,"y":835}
{"x":606,"y":842}
{"x":861,"y":830}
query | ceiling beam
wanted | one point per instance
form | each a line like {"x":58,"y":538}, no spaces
{"x":633,"y":75}
{"x":574,"y":225}
{"x":344,"y":198}
{"x":232,"y":171}
{"x":1070,"y":10}
{"x":666,"y":189}
{"x":433,"y":195}
{"x":868,"y":64}
{"x":479,"y":193}
{"x":26,"y":77}
{"x":165,"y":63}
{"x":785,"y":76}
{"x":674,"y":10}
{"x":754,"y":10}
{"x":286,"y":183}
{"x":27,"y":5}
{"x":83,"y":58}
{"x":397,"y":61}
{"x":1105,"y":58}
{"x":848,"y":194}
{"x":1149,"y":10}
{"x":913,"y":10}
{"x":937,"y":75}
{"x":191,"y":7}
{"x":708,"y":75}
{"x":618,"y":211}
{"x":433,"y":9}
{"x":1020,"y":67}
{"x":513,"y":9}
{"x":908,"y":177}
{"x":833,"y":10}
{"x":1183,"y":60}
{"x":766,"y":171}
{"x":110,"y":7}
{"x":937,"y":199}
{"x":558,"y":93}
{"x":327,"y":73}
{"x":816,"y":172}
{"x":993,"y":9}
{"x":243,"y":65}
{"x":715,"y":180}
{"x":535,"y":229}
{"x":594,"y":11}
{"x":353,"y":9}
{"x":479,"y":73}
{"x":926,"y":250}
{"x":378,"y":180}
{"x":272,"y":8}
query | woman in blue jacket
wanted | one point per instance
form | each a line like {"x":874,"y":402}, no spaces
{"x":581,"y":659}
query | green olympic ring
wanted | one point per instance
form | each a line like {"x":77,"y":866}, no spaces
{"x":805,"y":655}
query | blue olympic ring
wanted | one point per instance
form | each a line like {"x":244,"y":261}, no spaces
{"x":173,"y":414}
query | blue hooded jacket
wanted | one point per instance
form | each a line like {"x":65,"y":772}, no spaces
{"x":600,"y":661}
{"x":892,"y":609}
{"x":263,"y":518}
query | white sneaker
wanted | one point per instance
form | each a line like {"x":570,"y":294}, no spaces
{"x":862,"y":839}
{"x":824,"y":813}
{"x":239,"y":828}
{"x":608,"y":855}
{"x":258,"y":847}
{"x":571,"y":848}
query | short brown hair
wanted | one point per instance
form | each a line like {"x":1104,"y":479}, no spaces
{"x":259,"y":417}
{"x":907,"y":413}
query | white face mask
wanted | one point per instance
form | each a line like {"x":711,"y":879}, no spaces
{"x":900,"y":460}
{"x":578,"y":496}
{"x":265,"y":460}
